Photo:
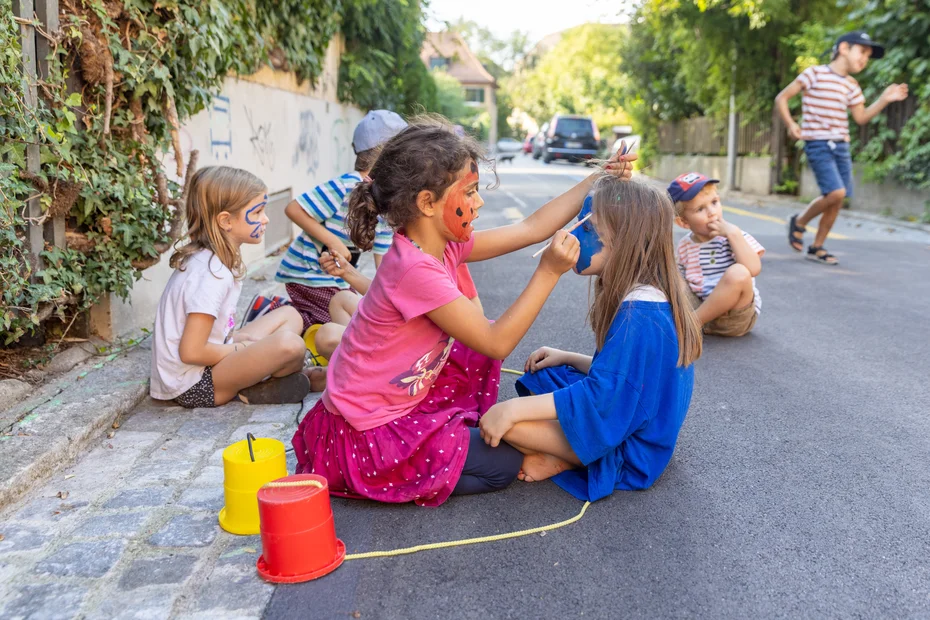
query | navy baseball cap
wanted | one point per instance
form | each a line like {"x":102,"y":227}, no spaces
{"x":858,"y":37}
{"x":687,"y":186}
{"x":375,"y":129}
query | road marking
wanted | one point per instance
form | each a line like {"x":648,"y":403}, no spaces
{"x":513,"y":213}
{"x":516,"y":199}
{"x":778,"y":220}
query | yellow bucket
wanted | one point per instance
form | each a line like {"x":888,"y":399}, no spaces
{"x":247,"y":466}
{"x":310,"y":342}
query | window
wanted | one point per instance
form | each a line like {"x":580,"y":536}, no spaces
{"x":474,"y":95}
{"x":438,"y":62}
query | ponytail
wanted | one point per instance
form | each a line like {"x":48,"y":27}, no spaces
{"x":363,"y":215}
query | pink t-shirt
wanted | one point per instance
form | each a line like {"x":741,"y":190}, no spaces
{"x":391,"y":352}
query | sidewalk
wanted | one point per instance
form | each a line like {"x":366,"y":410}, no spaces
{"x":122,"y":522}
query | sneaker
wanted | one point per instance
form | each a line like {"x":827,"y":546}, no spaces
{"x":261,"y":305}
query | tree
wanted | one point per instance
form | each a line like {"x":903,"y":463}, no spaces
{"x":381,"y":66}
{"x":580,"y":75}
{"x":904,"y":27}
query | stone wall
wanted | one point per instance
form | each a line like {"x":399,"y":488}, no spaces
{"x":752,"y":173}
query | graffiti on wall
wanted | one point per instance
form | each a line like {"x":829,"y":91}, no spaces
{"x":220,"y":128}
{"x":260,"y":137}
{"x":307,"y":151}
{"x":341,"y":144}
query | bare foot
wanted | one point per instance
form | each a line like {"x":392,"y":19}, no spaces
{"x":538,"y":467}
{"x":317,"y":376}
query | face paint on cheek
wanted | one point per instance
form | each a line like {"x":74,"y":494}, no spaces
{"x":587,"y":237}
{"x":459,"y":213}
{"x":256,"y":232}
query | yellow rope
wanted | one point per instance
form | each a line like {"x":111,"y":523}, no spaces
{"x":467,"y":541}
{"x":513,"y":372}
{"x":439,"y":545}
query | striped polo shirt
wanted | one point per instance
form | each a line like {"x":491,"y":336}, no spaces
{"x":328,"y":204}
{"x":703,"y":264}
{"x":825,"y":101}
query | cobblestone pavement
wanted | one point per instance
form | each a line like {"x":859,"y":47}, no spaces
{"x":131,"y":530}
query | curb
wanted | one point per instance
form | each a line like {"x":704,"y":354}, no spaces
{"x":56,"y":431}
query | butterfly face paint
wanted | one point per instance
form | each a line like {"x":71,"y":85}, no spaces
{"x":587,"y":236}
{"x":257,"y":229}
{"x":460,"y":209}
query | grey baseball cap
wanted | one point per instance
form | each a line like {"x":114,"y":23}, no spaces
{"x":375,"y":129}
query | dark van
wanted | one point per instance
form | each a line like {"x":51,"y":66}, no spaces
{"x":574,"y":138}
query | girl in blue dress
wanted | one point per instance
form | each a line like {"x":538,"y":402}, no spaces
{"x":611,"y":421}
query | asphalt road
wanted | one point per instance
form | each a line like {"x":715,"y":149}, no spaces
{"x":800,"y":485}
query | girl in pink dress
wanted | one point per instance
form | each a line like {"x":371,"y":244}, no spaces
{"x":419,"y":363}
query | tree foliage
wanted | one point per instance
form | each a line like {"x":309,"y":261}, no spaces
{"x":122,"y":76}
{"x":904,"y":27}
{"x":381,"y":67}
{"x":582,"y":74}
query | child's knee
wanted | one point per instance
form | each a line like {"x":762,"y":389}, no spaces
{"x":290,"y":345}
{"x":328,"y":338}
{"x":291,"y":317}
{"x":343,"y":300}
{"x":737,"y":275}
{"x":837,"y":196}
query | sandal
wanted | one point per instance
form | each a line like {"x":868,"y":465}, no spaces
{"x":795,"y":240}
{"x":277,"y":390}
{"x":819,"y":254}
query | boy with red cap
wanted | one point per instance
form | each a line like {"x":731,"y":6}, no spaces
{"x":717,"y":259}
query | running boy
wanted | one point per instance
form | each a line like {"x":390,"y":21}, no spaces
{"x":321,"y":214}
{"x":718,"y":260}
{"x":828,"y":92}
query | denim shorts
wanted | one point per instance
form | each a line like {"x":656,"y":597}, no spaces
{"x":831,"y":164}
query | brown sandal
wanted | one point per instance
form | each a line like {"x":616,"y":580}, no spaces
{"x":796,"y":242}
{"x":291,"y":388}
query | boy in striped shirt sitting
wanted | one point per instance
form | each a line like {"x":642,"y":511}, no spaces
{"x":717,"y":259}
{"x":321,"y":214}
{"x":828,"y":92}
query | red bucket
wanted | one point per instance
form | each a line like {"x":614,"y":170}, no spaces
{"x":298,"y":533}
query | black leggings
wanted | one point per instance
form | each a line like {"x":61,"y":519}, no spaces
{"x":486,"y":468}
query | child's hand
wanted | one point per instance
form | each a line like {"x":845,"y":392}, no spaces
{"x":794,"y":131}
{"x":721,"y":228}
{"x":328,"y":263}
{"x":895,"y":92}
{"x":544,"y":357}
{"x":340,"y":249}
{"x":562,"y":253}
{"x":495,"y":424}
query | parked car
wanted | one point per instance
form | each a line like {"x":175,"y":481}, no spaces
{"x":539,"y":142}
{"x":528,"y":144}
{"x":509,"y":145}
{"x":570,"y":137}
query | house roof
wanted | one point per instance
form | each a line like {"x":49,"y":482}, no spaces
{"x":463,"y":64}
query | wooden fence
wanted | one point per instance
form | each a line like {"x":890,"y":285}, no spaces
{"x":41,"y":228}
{"x":705,"y":136}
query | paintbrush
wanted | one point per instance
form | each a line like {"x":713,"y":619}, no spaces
{"x":577,"y":224}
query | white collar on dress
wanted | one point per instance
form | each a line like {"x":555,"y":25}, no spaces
{"x":645,"y":292}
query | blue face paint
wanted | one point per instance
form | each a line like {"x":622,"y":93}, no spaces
{"x":587,"y":236}
{"x":257,"y":231}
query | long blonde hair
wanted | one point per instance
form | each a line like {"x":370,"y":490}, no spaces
{"x":213,"y":190}
{"x":634,"y":222}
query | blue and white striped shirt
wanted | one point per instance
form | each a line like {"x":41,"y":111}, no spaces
{"x":328,"y":204}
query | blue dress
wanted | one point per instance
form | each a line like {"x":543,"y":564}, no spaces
{"x":622,"y":418}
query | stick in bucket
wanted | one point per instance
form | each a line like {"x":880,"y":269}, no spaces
{"x":577,"y":224}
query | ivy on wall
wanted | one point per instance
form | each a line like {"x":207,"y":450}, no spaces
{"x":122,"y":77}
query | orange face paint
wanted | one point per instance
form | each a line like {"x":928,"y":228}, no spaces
{"x":460,"y":211}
